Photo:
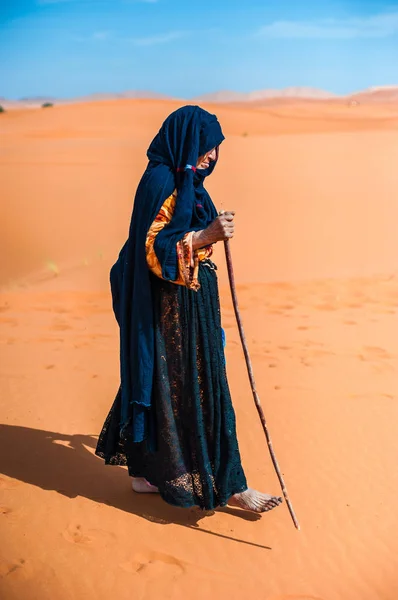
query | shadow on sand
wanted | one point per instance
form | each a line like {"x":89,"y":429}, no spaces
{"x":65,"y":464}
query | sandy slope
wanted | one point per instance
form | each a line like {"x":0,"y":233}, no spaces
{"x":315,"y":257}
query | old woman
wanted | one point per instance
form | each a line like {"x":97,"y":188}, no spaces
{"x":172,"y":422}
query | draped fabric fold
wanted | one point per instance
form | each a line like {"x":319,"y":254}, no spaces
{"x":188,"y":258}
{"x":186,"y":134}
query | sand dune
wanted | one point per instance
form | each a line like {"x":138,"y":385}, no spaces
{"x":224,"y":96}
{"x":374,"y":95}
{"x":383,"y":94}
{"x":314,"y":187}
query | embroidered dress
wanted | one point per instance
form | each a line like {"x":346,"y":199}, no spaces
{"x":196,"y":459}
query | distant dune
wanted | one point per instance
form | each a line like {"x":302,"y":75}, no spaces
{"x":222,"y":96}
{"x":142,"y":94}
{"x":371,"y":95}
{"x":290,"y":92}
{"x":388,"y":93}
{"x":37,"y":101}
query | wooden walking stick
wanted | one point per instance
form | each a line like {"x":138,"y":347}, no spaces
{"x":251,"y":378}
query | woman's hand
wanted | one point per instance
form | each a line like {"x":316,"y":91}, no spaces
{"x":222,"y":228}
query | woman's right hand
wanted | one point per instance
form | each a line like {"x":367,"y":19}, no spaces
{"x":222,"y":228}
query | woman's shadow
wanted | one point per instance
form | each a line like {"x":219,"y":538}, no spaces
{"x":65,"y":464}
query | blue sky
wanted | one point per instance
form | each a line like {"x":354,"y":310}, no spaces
{"x":66,"y":48}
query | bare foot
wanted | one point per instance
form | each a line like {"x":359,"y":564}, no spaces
{"x":254,"y":501}
{"x":142,"y":486}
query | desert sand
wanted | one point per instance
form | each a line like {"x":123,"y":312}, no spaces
{"x":314,"y":186}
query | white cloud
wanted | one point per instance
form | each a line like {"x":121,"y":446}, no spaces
{"x":150,"y":40}
{"x":164,"y":38}
{"x":374,"y":26}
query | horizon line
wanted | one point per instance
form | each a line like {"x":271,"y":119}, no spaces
{"x":153,"y":95}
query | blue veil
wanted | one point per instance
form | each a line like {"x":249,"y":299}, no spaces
{"x":186,"y":134}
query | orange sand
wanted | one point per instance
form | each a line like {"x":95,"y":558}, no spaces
{"x":315,"y":188}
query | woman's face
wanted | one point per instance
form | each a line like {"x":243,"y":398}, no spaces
{"x":205,"y":160}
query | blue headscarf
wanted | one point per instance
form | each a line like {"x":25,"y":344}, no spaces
{"x":186,"y":134}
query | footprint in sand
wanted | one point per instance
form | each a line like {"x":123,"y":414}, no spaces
{"x":383,"y":311}
{"x":305,"y":362}
{"x":287,"y":306}
{"x":10,"y":566}
{"x":5,"y":510}
{"x":375,"y":352}
{"x":154,"y":563}
{"x":378,"y":359}
{"x":6,"y":321}
{"x":49,"y":339}
{"x":75,"y":534}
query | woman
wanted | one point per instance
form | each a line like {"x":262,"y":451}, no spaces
{"x":172,"y":422}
